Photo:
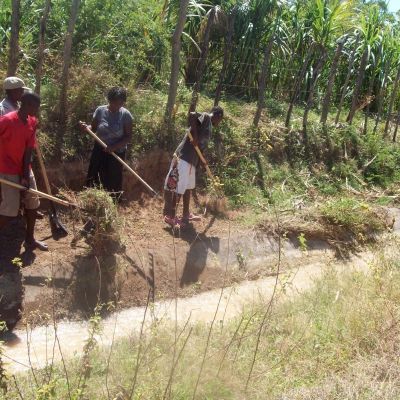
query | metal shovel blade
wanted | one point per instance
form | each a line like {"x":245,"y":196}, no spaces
{"x":58,"y":229}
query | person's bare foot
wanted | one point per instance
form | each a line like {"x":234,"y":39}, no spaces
{"x":191,"y":218}
{"x":36,"y":244}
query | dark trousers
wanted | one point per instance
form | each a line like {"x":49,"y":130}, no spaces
{"x":105,"y":171}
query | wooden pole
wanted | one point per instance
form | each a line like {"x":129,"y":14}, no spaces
{"x":200,"y":154}
{"x":43,"y":168}
{"x":37,"y":192}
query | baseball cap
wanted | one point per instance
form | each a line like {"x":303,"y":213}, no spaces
{"x":12,"y":82}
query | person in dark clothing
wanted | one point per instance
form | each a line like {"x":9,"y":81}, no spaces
{"x":113,"y":124}
{"x":181,"y":178}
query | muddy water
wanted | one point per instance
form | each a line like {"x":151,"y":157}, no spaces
{"x":71,"y":335}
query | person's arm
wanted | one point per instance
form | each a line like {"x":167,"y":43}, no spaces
{"x":25,"y":167}
{"x":193,"y":123}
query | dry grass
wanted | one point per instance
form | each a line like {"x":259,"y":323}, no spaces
{"x":102,"y":225}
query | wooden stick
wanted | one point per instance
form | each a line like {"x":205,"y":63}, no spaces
{"x":200,"y":154}
{"x":37,"y":192}
{"x":124,"y":164}
{"x":43,"y":169}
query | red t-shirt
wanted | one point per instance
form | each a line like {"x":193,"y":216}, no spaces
{"x":15,"y":138}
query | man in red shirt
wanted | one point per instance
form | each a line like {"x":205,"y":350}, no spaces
{"x":17,"y":141}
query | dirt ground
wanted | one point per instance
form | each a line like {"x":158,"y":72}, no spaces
{"x":69,"y":280}
{"x":153,"y":263}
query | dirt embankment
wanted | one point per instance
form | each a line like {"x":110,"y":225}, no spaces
{"x":152,"y":168}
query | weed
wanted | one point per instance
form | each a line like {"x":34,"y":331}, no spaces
{"x":302,"y":242}
{"x":275,"y":108}
{"x":241,"y":259}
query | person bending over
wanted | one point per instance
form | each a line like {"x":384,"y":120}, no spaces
{"x":181,"y":178}
{"x":17,"y":142}
{"x":113,"y":124}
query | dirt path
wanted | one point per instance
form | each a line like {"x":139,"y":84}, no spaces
{"x":202,"y":307}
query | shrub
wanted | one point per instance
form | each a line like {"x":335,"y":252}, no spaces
{"x":274,"y":107}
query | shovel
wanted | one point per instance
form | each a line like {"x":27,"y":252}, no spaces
{"x":57,"y":228}
{"x":124,"y":164}
{"x":38,"y":193}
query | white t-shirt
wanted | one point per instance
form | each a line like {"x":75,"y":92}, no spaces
{"x":6,"y":107}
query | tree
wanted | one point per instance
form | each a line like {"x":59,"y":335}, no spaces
{"x":371,"y":25}
{"x":347,"y":79}
{"x":331,"y":80}
{"x":371,"y":87}
{"x":391,"y":102}
{"x":175,"y":59}
{"x":42,"y":44}
{"x":262,"y":83}
{"x":227,"y":54}
{"x":211,"y":15}
{"x":13,"y":51}
{"x":299,"y":81}
{"x":62,"y":107}
{"x":382,"y":91}
{"x":325,"y":20}
{"x":310,"y":101}
{"x":358,"y":86}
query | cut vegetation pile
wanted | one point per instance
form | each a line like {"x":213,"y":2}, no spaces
{"x":344,"y":222}
{"x":102,"y":222}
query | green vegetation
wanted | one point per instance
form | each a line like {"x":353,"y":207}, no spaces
{"x":337,"y":340}
{"x":102,"y":222}
{"x":329,"y":58}
{"x":311,"y":94}
{"x":353,"y":215}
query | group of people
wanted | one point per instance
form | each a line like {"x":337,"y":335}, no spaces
{"x":113,"y":123}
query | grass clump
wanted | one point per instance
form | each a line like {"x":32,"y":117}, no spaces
{"x":355,"y":216}
{"x":103,"y":223}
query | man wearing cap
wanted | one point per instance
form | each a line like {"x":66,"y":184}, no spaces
{"x":17,"y":140}
{"x":14,"y":88}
